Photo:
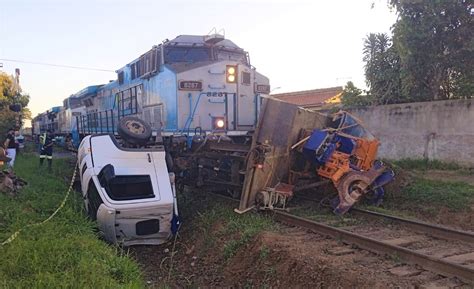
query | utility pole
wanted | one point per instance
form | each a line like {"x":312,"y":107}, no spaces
{"x":17,"y":90}
{"x":17,"y":81}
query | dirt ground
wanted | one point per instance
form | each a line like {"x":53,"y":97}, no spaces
{"x":281,"y":258}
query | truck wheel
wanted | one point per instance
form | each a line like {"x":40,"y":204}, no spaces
{"x":134,"y":130}
{"x":169,"y":162}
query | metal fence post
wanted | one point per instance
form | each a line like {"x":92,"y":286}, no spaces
{"x":107,"y":120}
{"x":113,"y":124}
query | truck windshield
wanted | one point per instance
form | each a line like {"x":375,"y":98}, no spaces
{"x":186,"y":54}
{"x":351,"y":126}
{"x":129,"y":187}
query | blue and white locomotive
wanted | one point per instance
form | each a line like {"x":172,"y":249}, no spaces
{"x":193,"y":92}
{"x":190,"y":82}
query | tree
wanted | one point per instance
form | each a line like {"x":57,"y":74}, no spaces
{"x":10,"y":95}
{"x":353,"y":97}
{"x":382,"y":69}
{"x":435,"y":42}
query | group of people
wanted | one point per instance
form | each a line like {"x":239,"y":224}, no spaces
{"x":10,"y":147}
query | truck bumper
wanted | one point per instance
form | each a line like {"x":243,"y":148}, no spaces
{"x":136,"y":226}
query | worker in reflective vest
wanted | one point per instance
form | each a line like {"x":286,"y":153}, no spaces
{"x":46,"y":152}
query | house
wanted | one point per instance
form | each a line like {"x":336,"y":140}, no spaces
{"x":313,"y":99}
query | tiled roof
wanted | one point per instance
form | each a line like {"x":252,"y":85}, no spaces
{"x":315,"y":97}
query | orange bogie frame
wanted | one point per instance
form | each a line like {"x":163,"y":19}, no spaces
{"x":338,"y":164}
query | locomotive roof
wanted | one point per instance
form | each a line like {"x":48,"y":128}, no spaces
{"x":88,"y":91}
{"x":200,"y":40}
{"x":194,"y":41}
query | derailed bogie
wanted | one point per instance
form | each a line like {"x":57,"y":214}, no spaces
{"x":212,"y":162}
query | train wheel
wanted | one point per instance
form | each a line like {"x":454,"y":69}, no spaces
{"x":134,"y":130}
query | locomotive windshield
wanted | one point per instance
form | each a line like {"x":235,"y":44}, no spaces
{"x":187,"y":54}
{"x":198,"y":54}
{"x":226,"y":54}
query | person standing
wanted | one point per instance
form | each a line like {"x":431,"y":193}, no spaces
{"x":10,"y":147}
{"x":46,"y":152}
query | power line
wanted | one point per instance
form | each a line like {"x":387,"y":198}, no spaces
{"x":56,"y":65}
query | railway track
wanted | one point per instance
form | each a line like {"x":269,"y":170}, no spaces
{"x":442,"y":250}
{"x":431,"y":229}
{"x":406,"y":245}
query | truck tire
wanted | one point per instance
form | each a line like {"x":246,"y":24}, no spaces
{"x":169,"y":162}
{"x":134,"y":130}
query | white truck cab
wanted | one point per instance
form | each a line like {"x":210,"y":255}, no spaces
{"x":127,"y":190}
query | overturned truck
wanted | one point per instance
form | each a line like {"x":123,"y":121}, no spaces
{"x":292,"y":149}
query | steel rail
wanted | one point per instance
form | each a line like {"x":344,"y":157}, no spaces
{"x":431,"y":229}
{"x":439,"y":266}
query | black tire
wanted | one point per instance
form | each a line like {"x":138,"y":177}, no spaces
{"x":134,"y":130}
{"x":169,"y":162}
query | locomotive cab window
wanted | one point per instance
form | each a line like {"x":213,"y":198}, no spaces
{"x":133,"y":71}
{"x":246,"y":76}
{"x":120,"y":77}
{"x":224,"y":54}
{"x":186,"y":54}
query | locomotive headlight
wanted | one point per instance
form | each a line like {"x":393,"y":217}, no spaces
{"x":231,"y":78}
{"x":231,"y":73}
{"x":220,"y":123}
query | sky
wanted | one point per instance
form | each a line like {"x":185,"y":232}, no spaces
{"x":299,"y":45}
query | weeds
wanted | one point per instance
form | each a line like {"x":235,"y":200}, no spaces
{"x":425,"y":164}
{"x":395,"y":258}
{"x":64,"y":252}
{"x":324,"y":215}
{"x":243,"y":228}
{"x":427,"y":197}
{"x":264,"y":252}
{"x":453,"y":195}
{"x":220,"y":225}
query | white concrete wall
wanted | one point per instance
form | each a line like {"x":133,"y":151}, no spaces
{"x":441,"y":130}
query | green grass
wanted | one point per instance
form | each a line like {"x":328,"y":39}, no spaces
{"x":434,"y":193}
{"x":324,"y":215}
{"x":387,"y":211}
{"x":64,"y":252}
{"x":425,"y":164}
{"x":241,"y":228}
{"x":220,"y":225}
{"x":427,"y":197}
{"x":264,"y":252}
